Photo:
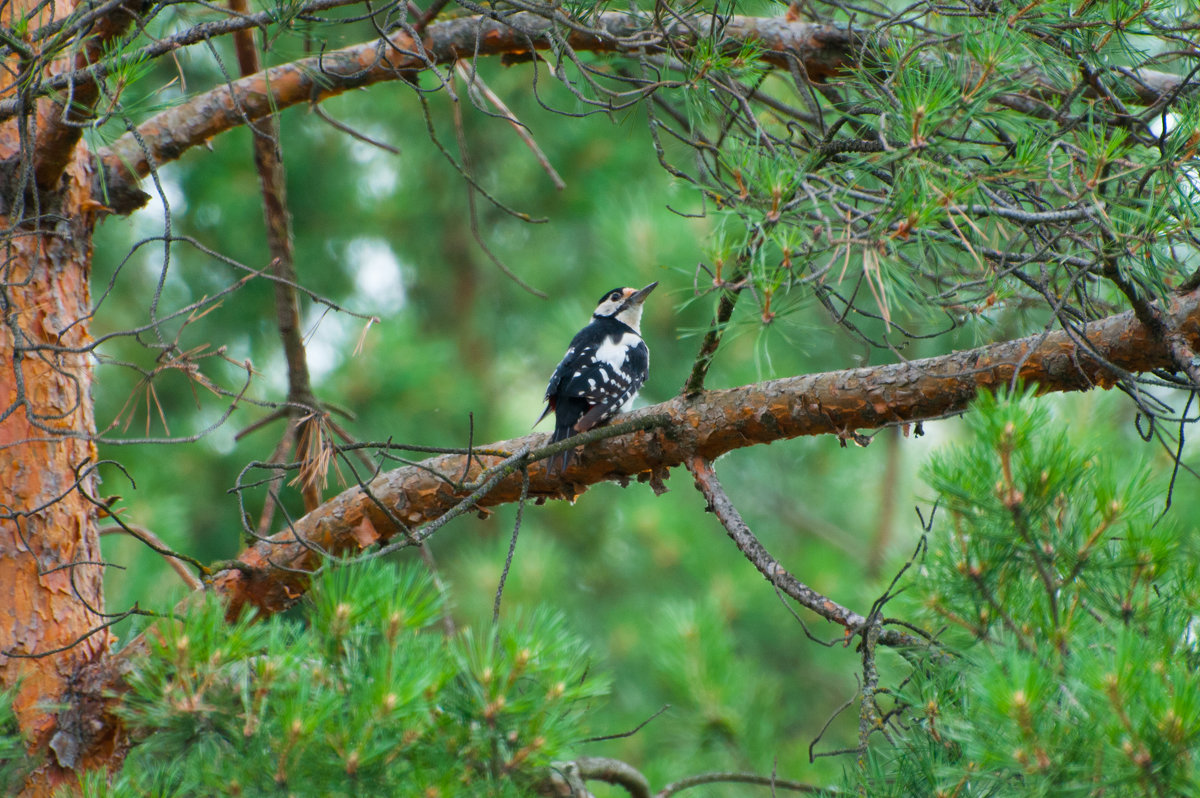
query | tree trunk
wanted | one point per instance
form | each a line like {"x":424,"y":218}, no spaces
{"x":51,"y":597}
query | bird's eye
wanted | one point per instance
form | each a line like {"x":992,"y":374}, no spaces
{"x":614,"y":296}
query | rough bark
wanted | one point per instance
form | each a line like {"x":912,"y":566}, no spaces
{"x":53,"y":643}
{"x":707,"y":426}
{"x":46,"y":523}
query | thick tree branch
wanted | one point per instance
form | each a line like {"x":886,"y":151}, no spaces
{"x":707,"y":426}
{"x":822,"y":50}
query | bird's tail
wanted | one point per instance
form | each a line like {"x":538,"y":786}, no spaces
{"x":559,"y":462}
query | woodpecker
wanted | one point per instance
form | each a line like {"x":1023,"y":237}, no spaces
{"x":604,"y":367}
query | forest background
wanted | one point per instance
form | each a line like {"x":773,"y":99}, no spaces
{"x":421,"y":324}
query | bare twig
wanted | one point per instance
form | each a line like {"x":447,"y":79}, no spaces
{"x":145,"y":535}
{"x":743,"y":778}
{"x":719,"y":503}
{"x":630,"y":732}
{"x":712,"y":340}
{"x":471,"y":77}
{"x":512,"y":546}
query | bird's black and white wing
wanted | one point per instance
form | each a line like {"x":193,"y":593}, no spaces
{"x":606,"y":377}
{"x":565,"y":367}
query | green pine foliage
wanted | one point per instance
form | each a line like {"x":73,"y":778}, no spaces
{"x":364,"y":694}
{"x":1067,"y":657}
{"x":1062,"y":604}
{"x":13,"y":762}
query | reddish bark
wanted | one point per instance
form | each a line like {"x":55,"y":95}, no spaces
{"x":51,"y":592}
{"x":44,"y":444}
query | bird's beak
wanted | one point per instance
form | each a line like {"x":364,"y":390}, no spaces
{"x":637,"y":297}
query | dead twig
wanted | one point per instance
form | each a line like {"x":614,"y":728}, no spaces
{"x":719,"y":503}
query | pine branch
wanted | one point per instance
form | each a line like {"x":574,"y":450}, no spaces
{"x":272,"y":573}
{"x":823,"y":51}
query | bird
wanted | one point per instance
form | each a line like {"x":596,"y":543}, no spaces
{"x":604,"y":367}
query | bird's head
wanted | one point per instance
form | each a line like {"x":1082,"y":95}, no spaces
{"x":624,"y":304}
